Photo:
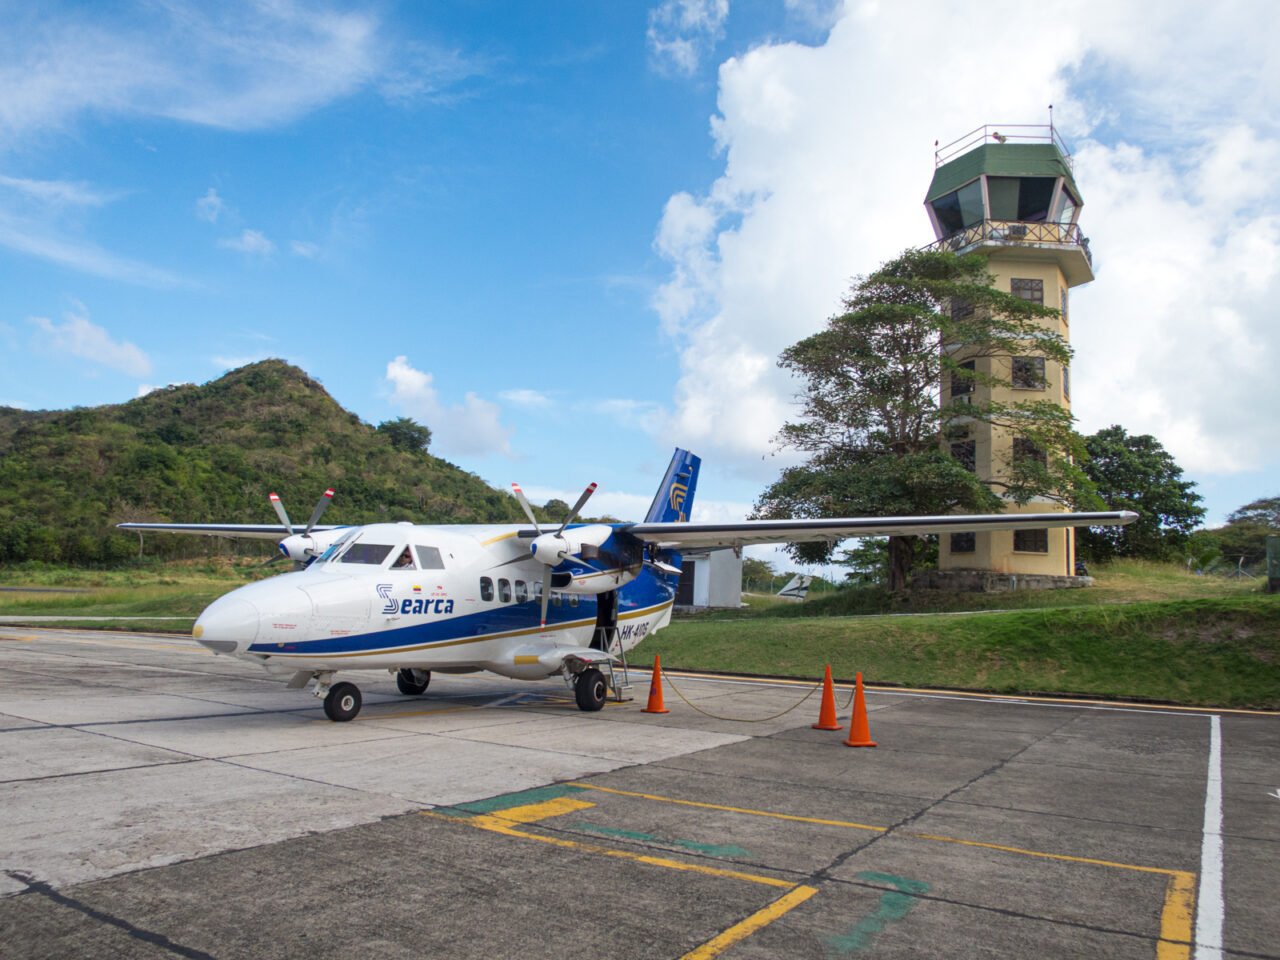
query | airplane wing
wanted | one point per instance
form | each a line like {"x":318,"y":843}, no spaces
{"x":233,"y":531}
{"x":678,"y":535}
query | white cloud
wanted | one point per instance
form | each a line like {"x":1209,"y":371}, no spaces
{"x":57,"y":192}
{"x":682,"y":32}
{"x":79,"y":337}
{"x":526,"y":398}
{"x":305,"y":249}
{"x":826,"y":161}
{"x":210,"y":206}
{"x":145,"y":388}
{"x":251,"y":242}
{"x":469,"y":428}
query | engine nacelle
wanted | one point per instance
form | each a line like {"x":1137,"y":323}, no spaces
{"x":554,"y":550}
{"x":303,"y":548}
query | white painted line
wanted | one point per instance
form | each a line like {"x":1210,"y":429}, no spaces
{"x":1209,"y":905}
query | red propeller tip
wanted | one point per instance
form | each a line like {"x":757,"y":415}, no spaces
{"x":274,"y":496}
{"x":329,"y":493}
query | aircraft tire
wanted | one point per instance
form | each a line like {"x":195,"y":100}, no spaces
{"x":342,"y":702}
{"x":590,"y":690}
{"x":407,"y":682}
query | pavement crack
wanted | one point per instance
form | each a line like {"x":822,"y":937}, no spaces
{"x":840,"y":859}
{"x":39,"y":888}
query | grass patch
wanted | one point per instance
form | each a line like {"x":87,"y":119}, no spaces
{"x":1221,"y":652}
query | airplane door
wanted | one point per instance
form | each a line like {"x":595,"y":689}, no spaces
{"x":606,"y":619}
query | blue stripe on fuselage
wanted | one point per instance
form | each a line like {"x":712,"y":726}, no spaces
{"x":650,"y":589}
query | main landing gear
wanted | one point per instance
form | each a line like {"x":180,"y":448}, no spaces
{"x":590,"y":690}
{"x":342,"y":702}
{"x":412,"y":682}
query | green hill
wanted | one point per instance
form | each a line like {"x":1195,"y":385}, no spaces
{"x":211,"y":453}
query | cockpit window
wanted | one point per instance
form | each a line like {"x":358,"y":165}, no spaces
{"x":336,"y":546}
{"x":404,"y":561}
{"x":371,"y":554}
{"x":429,"y":558}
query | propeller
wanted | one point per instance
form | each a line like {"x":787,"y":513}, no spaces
{"x":550,"y":548}
{"x":294,"y":545}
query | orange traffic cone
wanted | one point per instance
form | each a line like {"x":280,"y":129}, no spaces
{"x":655,"y":690}
{"x":859,"y":731}
{"x":827,"y":714}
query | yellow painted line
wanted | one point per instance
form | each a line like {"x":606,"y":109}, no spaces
{"x":499,"y":538}
{"x":496,"y":824}
{"x":532,"y":812}
{"x":716,"y":806}
{"x":1175,"y":918}
{"x":1043,"y":855}
{"x":740,"y":931}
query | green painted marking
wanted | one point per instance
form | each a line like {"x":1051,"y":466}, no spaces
{"x":714,"y":850}
{"x":519,"y":799}
{"x":894,"y":905}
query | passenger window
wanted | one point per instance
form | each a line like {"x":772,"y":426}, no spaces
{"x":522,"y":592}
{"x":537,"y":589}
{"x":486,"y":588}
{"x":504,"y":591}
{"x":555,"y":599}
{"x":404,"y":561}
{"x":573,"y":599}
{"x":367,"y":553}
{"x":429,"y":558}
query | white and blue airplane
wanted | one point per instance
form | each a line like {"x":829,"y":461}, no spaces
{"x":523,"y":602}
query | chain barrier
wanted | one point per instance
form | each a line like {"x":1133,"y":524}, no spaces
{"x":706,"y":713}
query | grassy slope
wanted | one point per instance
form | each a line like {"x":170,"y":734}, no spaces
{"x":1145,"y":632}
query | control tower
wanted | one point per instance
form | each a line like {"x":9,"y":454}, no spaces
{"x":1007,"y":192}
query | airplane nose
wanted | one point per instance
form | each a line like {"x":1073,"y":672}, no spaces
{"x":228,"y":625}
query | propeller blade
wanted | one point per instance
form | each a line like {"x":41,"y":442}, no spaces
{"x":318,"y":512}
{"x":528,"y":512}
{"x":280,"y":511}
{"x":586,"y":495}
{"x":546,"y":594}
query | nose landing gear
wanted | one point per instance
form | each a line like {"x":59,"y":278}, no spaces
{"x":342,"y":701}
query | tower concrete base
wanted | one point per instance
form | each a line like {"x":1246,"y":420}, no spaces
{"x":985,"y":581}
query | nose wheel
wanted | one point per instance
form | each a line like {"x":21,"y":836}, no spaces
{"x":342,"y":702}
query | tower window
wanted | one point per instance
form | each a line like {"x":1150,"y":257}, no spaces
{"x":959,"y":209}
{"x":962,"y":384}
{"x":1029,"y":290}
{"x":967,"y":453}
{"x":961,"y":309}
{"x":1024,"y":449}
{"x":1062,"y":298}
{"x":1028,"y":373}
{"x":964,"y":542}
{"x":1066,"y":383}
{"x":1031,"y":541}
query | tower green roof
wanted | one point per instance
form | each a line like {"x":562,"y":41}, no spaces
{"x":1001,"y":160}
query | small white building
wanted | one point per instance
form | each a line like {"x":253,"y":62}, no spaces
{"x":710,"y":578}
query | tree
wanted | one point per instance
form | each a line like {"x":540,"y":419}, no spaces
{"x":405,"y":434}
{"x":757,"y":573}
{"x":1247,"y":528}
{"x":1137,"y":473}
{"x":873,"y":420}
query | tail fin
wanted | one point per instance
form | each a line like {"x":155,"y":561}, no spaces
{"x":674,"y":499}
{"x":796,"y":587}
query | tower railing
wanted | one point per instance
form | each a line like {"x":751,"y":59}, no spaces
{"x":1002,"y":133}
{"x":1014,"y":232}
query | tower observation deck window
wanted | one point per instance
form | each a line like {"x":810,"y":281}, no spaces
{"x":1025,"y":199}
{"x":960,"y":209}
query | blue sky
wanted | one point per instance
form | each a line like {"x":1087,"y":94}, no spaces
{"x":569,"y":236}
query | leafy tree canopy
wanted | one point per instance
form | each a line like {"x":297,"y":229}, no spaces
{"x":1137,"y":473}
{"x":873,"y":421}
{"x":405,"y":434}
{"x":1245,"y":534}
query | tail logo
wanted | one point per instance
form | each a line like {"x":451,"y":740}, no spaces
{"x":679,"y":493}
